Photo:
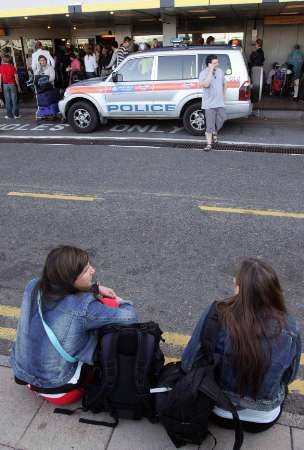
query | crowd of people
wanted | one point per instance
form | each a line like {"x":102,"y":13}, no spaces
{"x":258,"y":344}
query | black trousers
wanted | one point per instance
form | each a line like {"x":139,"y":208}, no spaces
{"x":250,"y":427}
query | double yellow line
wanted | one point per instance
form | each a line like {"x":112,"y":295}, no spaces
{"x":172,"y":339}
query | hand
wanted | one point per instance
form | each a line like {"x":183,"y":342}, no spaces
{"x":19,"y":90}
{"x":106,"y":292}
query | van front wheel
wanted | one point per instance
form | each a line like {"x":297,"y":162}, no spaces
{"x":194,"y":119}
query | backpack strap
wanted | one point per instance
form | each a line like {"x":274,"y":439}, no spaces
{"x":210,"y":388}
{"x":52,"y":337}
{"x":145,"y":351}
{"x":209,"y":333}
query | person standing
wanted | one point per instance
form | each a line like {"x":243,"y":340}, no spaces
{"x":256,"y":62}
{"x":10,"y":82}
{"x":296,"y":59}
{"x":123,"y":50}
{"x":90,"y":63}
{"x":212,"y":80}
{"x":39,"y":51}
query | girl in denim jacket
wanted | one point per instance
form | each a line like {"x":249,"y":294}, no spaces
{"x":71,"y":307}
{"x":259,"y":348}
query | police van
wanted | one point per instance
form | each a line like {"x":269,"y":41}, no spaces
{"x":158,"y":84}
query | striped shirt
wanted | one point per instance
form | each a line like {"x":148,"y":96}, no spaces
{"x":122,"y":53}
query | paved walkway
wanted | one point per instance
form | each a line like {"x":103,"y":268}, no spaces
{"x":28,"y":423}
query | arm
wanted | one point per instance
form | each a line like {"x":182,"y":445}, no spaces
{"x":17,"y":82}
{"x":98,"y":315}
{"x":113,"y":59}
{"x":206,"y":78}
{"x":192,"y":351}
{"x":51,"y":60}
{"x":51,"y":74}
{"x":296,"y":360}
{"x":0,"y":82}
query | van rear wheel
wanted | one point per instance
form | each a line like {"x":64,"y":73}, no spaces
{"x":83,"y":117}
{"x":194,"y":119}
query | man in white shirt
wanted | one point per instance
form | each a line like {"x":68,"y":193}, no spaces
{"x":41,"y":52}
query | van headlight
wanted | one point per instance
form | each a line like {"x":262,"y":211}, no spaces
{"x":67,"y":92}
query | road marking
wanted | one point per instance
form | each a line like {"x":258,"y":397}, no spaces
{"x":175,"y":339}
{"x":255,"y":212}
{"x":8,"y":333}
{"x":9,"y":311}
{"x":79,"y":198}
{"x":297,"y":386}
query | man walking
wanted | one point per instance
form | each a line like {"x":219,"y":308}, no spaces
{"x":10,"y":81}
{"x":212,"y":80}
{"x":123,"y":51}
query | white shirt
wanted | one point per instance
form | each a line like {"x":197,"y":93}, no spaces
{"x":41,"y":52}
{"x":90,"y":63}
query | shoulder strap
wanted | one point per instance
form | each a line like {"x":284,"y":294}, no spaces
{"x":52,"y":337}
{"x":210,"y":388}
{"x":209,"y":333}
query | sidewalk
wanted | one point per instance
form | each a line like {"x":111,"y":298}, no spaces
{"x":28,"y":423}
{"x":256,"y":131}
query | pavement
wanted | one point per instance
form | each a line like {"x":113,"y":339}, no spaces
{"x":256,"y":130}
{"x":27,"y":423}
{"x":137,"y":210}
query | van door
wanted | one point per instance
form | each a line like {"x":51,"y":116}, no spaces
{"x":133,"y":95}
{"x":176,"y":79}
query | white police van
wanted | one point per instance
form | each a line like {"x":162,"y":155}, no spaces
{"x":158,"y":84}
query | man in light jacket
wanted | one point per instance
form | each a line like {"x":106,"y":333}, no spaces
{"x":39,"y":51}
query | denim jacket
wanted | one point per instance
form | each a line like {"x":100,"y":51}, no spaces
{"x":74,"y":320}
{"x":283,"y":367}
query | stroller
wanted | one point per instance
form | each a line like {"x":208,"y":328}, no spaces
{"x":281,"y":79}
{"x":47,"y":97}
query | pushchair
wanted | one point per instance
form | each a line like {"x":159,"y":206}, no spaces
{"x":47,"y":97}
{"x":281,"y":80}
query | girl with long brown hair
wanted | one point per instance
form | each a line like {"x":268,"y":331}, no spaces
{"x":259,"y":347}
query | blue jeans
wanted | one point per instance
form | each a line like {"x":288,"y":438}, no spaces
{"x":11,"y":99}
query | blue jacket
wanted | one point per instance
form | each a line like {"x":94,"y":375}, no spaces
{"x":283,"y":367}
{"x":74,"y":320}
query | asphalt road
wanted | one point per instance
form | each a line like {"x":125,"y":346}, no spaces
{"x":145,"y":232}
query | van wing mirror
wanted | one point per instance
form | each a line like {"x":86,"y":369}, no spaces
{"x":116,"y":77}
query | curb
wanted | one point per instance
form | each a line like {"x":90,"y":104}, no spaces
{"x":286,"y":419}
{"x":196,"y":144}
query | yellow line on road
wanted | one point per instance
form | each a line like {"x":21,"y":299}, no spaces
{"x":78,"y":198}
{"x":9,"y":311}
{"x":178,"y":340}
{"x":297,"y":386}
{"x":8,"y":333}
{"x":254,"y":212}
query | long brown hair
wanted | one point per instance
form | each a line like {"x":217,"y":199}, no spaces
{"x":62,"y":266}
{"x":252,"y":318}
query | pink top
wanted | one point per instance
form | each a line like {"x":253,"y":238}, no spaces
{"x":75,"y":64}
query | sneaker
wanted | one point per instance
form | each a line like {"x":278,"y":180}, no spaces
{"x":17,"y":117}
{"x":7,"y":117}
{"x":215,"y":139}
{"x":208,"y":148}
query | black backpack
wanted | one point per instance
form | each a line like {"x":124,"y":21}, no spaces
{"x":184,"y":410}
{"x":129,"y":361}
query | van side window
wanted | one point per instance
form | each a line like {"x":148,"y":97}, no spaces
{"x":137,"y":69}
{"x":177,"y":67}
{"x":224,"y":62}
